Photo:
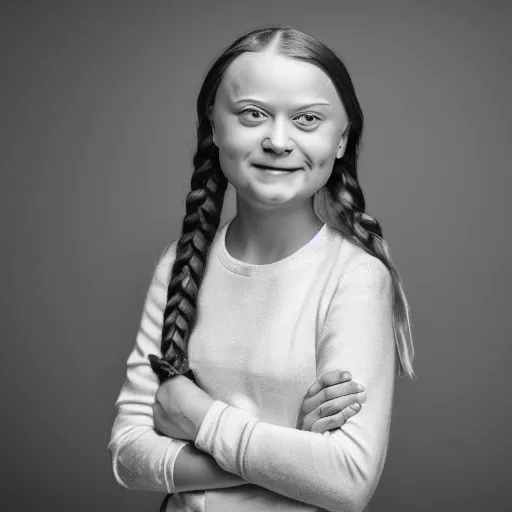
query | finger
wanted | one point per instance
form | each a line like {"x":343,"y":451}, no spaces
{"x":336,"y":405}
{"x":343,"y":389}
{"x":329,"y":393}
{"x":335,"y":421}
{"x":309,"y":420}
{"x":331,"y":407}
{"x":328,"y":379}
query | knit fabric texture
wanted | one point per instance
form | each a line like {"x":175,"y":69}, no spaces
{"x":263,"y":335}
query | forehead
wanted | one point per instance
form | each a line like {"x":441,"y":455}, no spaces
{"x":272,"y":77}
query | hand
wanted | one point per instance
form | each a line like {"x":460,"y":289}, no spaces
{"x":179,"y":408}
{"x":329,"y":402}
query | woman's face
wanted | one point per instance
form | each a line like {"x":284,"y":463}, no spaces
{"x":273,"y":111}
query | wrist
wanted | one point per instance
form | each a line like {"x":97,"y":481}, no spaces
{"x":198,"y":412}
{"x":195,"y":470}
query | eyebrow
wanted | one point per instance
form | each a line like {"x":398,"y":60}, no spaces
{"x":254,"y":100}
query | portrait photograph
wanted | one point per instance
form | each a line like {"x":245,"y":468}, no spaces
{"x":256,"y":255}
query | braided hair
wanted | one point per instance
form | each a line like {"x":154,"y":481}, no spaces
{"x":340,"y":202}
{"x":344,"y":209}
{"x":201,"y":221}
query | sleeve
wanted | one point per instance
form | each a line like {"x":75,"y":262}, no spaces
{"x":142,"y":458}
{"x":339,"y":472}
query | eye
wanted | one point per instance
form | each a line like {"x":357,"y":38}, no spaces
{"x":310,"y":119}
{"x":253,"y":114}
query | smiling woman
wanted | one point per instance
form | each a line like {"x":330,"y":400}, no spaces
{"x":272,"y":112}
{"x":235,"y":398}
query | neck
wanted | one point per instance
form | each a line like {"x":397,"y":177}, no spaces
{"x":264,"y":237}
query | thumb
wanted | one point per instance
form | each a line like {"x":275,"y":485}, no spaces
{"x":300,"y":420}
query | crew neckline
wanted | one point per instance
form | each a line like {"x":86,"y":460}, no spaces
{"x":300,"y":256}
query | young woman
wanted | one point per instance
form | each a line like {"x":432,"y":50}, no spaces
{"x":298,"y":286}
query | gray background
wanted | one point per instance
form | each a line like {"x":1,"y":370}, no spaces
{"x":97,"y":112}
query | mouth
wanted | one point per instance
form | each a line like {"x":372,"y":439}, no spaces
{"x":270,"y":168}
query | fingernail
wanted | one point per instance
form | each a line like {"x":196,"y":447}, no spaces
{"x":359,"y":387}
{"x":355,"y":405}
{"x":347,"y":376}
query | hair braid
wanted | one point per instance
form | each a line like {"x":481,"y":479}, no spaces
{"x":345,"y":195}
{"x":201,"y":221}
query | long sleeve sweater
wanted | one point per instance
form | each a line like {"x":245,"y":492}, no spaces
{"x":263,"y":335}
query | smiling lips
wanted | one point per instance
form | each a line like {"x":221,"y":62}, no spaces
{"x":271,"y":168}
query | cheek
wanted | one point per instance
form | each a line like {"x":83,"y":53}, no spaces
{"x":235,"y":145}
{"x":321,"y":152}
{"x":234,"y":141}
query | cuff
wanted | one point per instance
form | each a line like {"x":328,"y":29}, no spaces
{"x":169,"y":460}
{"x":210,"y":423}
{"x":224,"y":433}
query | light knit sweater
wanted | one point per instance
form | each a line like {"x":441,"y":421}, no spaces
{"x":263,"y":335}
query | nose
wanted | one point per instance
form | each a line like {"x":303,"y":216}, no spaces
{"x":278,"y":139}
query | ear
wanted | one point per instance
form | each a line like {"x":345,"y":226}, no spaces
{"x":210,"y":117}
{"x":342,"y":143}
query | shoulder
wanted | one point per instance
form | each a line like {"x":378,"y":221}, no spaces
{"x":363,"y":269}
{"x":169,"y":253}
{"x":163,"y":267}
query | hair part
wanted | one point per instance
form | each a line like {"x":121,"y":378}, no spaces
{"x":340,"y":203}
